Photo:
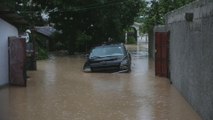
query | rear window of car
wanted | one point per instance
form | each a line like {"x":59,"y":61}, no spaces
{"x":107,"y":51}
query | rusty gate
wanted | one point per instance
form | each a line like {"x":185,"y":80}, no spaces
{"x":17,"y":61}
{"x":162,"y":54}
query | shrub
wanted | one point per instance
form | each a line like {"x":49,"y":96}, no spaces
{"x":131,"y":40}
{"x":82,"y":42}
{"x":42,"y":54}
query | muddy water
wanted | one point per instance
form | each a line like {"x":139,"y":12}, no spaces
{"x":59,"y":90}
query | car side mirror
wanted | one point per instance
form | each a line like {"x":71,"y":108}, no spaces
{"x":129,"y":54}
{"x":87,"y":56}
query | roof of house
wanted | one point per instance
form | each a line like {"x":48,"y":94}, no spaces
{"x":11,"y":16}
{"x":45,"y":30}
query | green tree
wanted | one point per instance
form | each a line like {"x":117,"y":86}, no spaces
{"x":156,"y":10}
{"x":97,"y":19}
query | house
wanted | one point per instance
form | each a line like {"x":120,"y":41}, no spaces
{"x":9,"y":23}
{"x":44,"y":36}
{"x":188,"y":34}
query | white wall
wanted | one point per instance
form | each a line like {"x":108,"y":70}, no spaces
{"x":6,"y":30}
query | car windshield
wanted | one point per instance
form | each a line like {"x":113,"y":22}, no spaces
{"x":107,"y":51}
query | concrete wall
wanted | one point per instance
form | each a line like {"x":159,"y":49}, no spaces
{"x":6,"y":30}
{"x":191,"y":55}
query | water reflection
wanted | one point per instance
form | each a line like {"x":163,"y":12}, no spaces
{"x":59,"y":90}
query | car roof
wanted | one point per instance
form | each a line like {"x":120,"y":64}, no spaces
{"x":110,"y":45}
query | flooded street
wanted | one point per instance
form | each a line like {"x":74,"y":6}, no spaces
{"x":59,"y":90}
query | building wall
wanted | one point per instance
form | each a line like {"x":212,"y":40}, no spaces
{"x":191,"y":55}
{"x":6,"y":30}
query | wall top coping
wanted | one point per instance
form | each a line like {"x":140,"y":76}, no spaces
{"x":202,"y":8}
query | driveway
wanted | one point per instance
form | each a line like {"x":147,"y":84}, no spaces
{"x":59,"y":90}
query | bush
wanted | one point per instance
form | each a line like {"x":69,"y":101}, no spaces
{"x":42,"y":54}
{"x":82,"y":42}
{"x":131,"y":40}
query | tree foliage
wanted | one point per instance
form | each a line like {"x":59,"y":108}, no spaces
{"x":97,"y":19}
{"x":30,"y":10}
{"x":155,"y":11}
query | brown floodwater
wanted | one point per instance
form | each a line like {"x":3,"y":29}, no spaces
{"x":59,"y":90}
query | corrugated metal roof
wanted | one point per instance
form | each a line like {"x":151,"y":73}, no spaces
{"x":45,"y":30}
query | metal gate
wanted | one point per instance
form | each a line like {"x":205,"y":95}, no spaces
{"x":162,"y":54}
{"x":17,"y":61}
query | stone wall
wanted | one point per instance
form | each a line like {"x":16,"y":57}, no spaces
{"x":191,"y":55}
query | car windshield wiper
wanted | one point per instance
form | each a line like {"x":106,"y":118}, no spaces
{"x":94,"y":57}
{"x":110,"y":56}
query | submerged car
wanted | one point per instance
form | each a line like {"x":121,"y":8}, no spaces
{"x":108,"y":58}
